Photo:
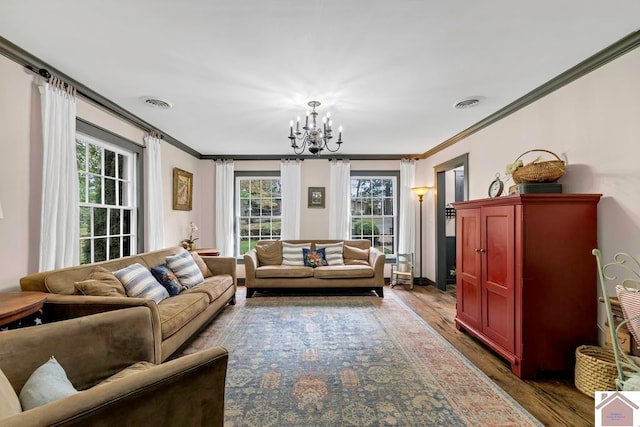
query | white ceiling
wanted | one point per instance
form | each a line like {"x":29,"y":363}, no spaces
{"x":238,"y":71}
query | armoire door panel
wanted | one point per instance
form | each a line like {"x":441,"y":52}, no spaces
{"x":468,"y":273}
{"x":498,"y":275}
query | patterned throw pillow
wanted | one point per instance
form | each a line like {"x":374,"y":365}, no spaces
{"x":315,"y":258}
{"x":185,"y":269}
{"x":333,"y":252}
{"x":201,"y":265}
{"x":165,"y":276}
{"x":139,"y":283}
{"x":101,"y":282}
{"x":292,"y":253}
{"x":46,"y":384}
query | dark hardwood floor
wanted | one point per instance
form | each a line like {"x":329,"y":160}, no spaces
{"x":554,"y":401}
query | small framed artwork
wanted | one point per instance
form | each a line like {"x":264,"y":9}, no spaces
{"x":315,"y":198}
{"x":182,"y":190}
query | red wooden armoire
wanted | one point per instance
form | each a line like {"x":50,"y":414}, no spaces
{"x":526,"y":280}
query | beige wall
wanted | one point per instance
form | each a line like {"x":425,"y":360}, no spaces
{"x":20,"y":175}
{"x":594,"y":123}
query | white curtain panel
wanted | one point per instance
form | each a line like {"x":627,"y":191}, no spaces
{"x":224,"y":206}
{"x":60,"y":216}
{"x":290,"y":177}
{"x":407,"y":210}
{"x":339,"y":199}
{"x":154,"y":209}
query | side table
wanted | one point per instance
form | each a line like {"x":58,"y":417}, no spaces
{"x":15,"y":306}
{"x":207,"y":251}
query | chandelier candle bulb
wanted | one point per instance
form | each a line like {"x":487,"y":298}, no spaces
{"x":298,"y":124}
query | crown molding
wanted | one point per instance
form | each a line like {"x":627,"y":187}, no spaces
{"x":606,"y":55}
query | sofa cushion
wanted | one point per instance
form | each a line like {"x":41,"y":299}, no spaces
{"x":201,"y":265}
{"x":292,"y":253}
{"x":129,"y":370}
{"x":9,"y":402}
{"x":352,"y":253}
{"x":175,"y":312}
{"x":343,"y":272}
{"x":168,"y":279}
{"x":213,"y":286}
{"x":333,"y":252}
{"x":140,"y":283}
{"x":284,"y":271}
{"x":101,"y":282}
{"x":270,"y":254}
{"x":315,"y":258}
{"x":46,"y":384}
{"x":185,"y":268}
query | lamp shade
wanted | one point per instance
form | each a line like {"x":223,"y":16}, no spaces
{"x":421,"y":191}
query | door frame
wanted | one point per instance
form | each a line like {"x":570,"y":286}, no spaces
{"x":440,"y":204}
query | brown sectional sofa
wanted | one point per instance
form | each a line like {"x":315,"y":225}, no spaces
{"x":362,"y":273}
{"x":174,"y":319}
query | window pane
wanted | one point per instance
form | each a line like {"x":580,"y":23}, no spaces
{"x":388,"y":187}
{"x":244,"y":227}
{"x":114,"y":224}
{"x":388,"y":206}
{"x":95,"y":159}
{"x":100,"y":248}
{"x":100,"y":222}
{"x":82,"y":187}
{"x":121,"y":166}
{"x":376,"y":205}
{"x":254,"y":227}
{"x":121,"y":196}
{"x":114,"y":247}
{"x":126,"y":221}
{"x":95,"y":189}
{"x":245,"y":207}
{"x":255,"y":188}
{"x":85,"y":251}
{"x":109,"y":191}
{"x":276,"y":228}
{"x":276,"y":190}
{"x":85,"y":222}
{"x":244,"y":188}
{"x":126,"y":246}
{"x":109,"y":163}
{"x":81,"y":155}
{"x":277,"y":207}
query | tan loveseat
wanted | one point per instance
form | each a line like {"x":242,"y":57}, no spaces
{"x":187,"y":391}
{"x":364,"y":270}
{"x":175,"y":319}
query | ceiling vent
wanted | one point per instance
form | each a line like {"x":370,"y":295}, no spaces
{"x":154,"y":102}
{"x":466,"y":103}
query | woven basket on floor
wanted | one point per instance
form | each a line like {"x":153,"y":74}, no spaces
{"x":595,"y":369}
{"x":545,"y":171}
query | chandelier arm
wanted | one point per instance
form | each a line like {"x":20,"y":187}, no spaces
{"x":326,"y":145}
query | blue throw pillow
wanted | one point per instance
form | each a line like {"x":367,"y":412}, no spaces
{"x":315,"y":258}
{"x":46,"y":384}
{"x":139,"y":283}
{"x":165,"y":276}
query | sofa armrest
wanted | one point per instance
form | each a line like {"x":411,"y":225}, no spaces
{"x":63,"y":307}
{"x":185,"y":391}
{"x":250,"y":265}
{"x":376,"y":260}
{"x":89,"y":348}
{"x":222,"y":265}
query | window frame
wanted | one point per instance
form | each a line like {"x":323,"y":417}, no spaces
{"x":237,"y":175}
{"x":384,"y":174}
{"x":111,"y":141}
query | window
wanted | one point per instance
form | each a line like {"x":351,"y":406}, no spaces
{"x":258,"y":210}
{"x":373,"y":210}
{"x":108,"y":214}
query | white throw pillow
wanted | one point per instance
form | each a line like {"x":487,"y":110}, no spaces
{"x":140,"y":283}
{"x":185,"y":269}
{"x":292,"y":253}
{"x":333,"y":252}
{"x":46,"y":384}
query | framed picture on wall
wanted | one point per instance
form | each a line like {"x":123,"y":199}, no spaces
{"x":182,"y":190}
{"x":315,"y":197}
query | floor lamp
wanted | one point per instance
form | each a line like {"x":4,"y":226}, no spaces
{"x":420,"y":192}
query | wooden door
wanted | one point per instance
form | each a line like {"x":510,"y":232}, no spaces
{"x":468,"y":276}
{"x":498,"y":275}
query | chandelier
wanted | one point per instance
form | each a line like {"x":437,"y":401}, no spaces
{"x":316,"y":138}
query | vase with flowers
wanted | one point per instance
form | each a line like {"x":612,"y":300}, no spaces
{"x":190,"y":243}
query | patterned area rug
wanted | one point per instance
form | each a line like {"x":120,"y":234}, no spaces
{"x":348,"y":361}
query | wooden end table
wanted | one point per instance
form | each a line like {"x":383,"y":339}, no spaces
{"x":18,"y":305}
{"x":207,"y":252}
